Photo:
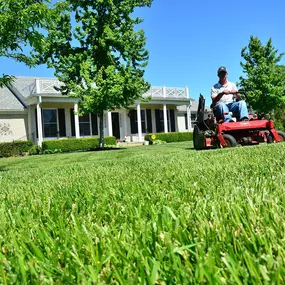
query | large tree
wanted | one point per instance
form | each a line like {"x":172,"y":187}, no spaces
{"x":97,"y":53}
{"x":20,"y":24}
{"x":263,"y":81}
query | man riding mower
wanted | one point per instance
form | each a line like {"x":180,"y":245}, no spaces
{"x":220,"y":129}
{"x":214,"y":131}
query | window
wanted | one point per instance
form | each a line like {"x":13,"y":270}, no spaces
{"x":50,"y":123}
{"x":134,"y":121}
{"x":160,"y":121}
{"x":84,"y":125}
{"x":88,"y":124}
{"x":193,"y":119}
{"x":53,"y":121}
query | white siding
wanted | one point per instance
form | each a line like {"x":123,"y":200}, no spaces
{"x":13,"y":127}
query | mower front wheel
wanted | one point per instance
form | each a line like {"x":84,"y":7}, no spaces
{"x":230,"y":140}
{"x":198,"y":138}
{"x":281,"y":134}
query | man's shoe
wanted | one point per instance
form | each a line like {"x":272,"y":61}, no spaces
{"x":244,"y":119}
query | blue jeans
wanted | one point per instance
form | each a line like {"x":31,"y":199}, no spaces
{"x":239,"y":110}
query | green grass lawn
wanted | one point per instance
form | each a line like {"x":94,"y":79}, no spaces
{"x":162,"y":214}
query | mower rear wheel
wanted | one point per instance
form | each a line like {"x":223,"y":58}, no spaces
{"x":230,"y":140}
{"x":281,"y":134}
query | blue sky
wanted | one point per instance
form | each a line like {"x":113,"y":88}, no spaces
{"x":188,"y":40}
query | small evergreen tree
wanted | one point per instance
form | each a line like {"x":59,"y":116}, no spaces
{"x":263,"y":81}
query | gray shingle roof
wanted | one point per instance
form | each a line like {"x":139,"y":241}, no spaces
{"x":24,"y":84}
{"x":8,"y":100}
{"x":194,"y":107}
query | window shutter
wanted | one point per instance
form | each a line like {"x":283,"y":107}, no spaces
{"x":149,"y":120}
{"x":172,"y":120}
{"x":61,"y":123}
{"x":157,"y":121}
{"x":94,"y":120}
{"x":133,"y":121}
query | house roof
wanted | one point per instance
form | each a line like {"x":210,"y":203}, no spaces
{"x":193,"y":108}
{"x":25,"y":85}
{"x":8,"y":101}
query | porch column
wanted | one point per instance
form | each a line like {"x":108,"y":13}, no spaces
{"x":76,"y":121}
{"x":186,"y":92}
{"x":165,"y":118}
{"x":175,"y":119}
{"x":125,"y":114}
{"x":153,"y":120}
{"x":139,"y":122}
{"x":39,"y":122}
{"x":164,"y":92}
{"x":110,"y":128}
{"x":189,"y":117}
{"x":67,"y":122}
{"x":30,"y":130}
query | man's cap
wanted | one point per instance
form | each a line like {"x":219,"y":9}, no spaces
{"x":222,"y":69}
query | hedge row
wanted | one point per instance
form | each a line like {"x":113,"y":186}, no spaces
{"x":170,"y":137}
{"x":67,"y":145}
{"x":14,"y":148}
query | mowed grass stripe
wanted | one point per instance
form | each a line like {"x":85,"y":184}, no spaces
{"x":161,"y":214}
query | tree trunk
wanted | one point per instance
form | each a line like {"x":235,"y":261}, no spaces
{"x":101,"y":126}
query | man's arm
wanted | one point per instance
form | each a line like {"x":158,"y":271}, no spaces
{"x":235,"y":91}
{"x":216,"y":97}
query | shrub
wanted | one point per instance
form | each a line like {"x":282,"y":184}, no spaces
{"x":158,"y":142}
{"x":67,"y":145}
{"x":170,"y":137}
{"x":34,"y":150}
{"x":14,"y":148}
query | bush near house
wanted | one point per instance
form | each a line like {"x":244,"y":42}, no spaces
{"x":67,"y":145}
{"x":14,"y":148}
{"x":170,"y":137}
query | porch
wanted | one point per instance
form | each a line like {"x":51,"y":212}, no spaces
{"x":54,"y":116}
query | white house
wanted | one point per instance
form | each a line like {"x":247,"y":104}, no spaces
{"x":32,"y":109}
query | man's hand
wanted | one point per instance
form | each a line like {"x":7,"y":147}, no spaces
{"x":227,"y":92}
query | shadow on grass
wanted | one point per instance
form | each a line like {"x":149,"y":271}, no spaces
{"x":2,"y":169}
{"x":107,"y":148}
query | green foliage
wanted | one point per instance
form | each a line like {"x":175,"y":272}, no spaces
{"x":14,"y":148}
{"x":156,"y":215}
{"x":264,"y":84}
{"x":67,"y":145}
{"x":35,"y":150}
{"x":102,"y":60}
{"x":279,"y":118}
{"x":170,"y":137}
{"x":157,"y":142}
{"x":20,"y":24}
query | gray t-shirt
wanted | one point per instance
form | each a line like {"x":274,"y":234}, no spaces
{"x":218,"y":88}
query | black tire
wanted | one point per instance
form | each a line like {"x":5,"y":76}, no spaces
{"x":230,"y":141}
{"x":281,"y":134}
{"x":198,"y":138}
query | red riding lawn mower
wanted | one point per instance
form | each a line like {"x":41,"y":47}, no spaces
{"x":209,"y":132}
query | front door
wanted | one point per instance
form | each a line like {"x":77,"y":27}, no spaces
{"x":116,"y":125}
